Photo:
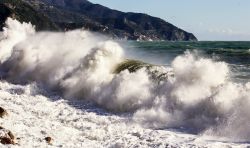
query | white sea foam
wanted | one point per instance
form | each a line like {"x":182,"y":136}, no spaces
{"x":80,"y":64}
{"x":32,"y":117}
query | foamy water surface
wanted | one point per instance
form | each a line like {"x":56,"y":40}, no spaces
{"x":199,"y":97}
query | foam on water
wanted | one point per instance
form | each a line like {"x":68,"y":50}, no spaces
{"x":80,"y":64}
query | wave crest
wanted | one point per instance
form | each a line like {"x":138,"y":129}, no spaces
{"x":194,"y":92}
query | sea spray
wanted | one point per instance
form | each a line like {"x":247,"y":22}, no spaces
{"x":13,"y":33}
{"x":197,"y":95}
{"x":201,"y":98}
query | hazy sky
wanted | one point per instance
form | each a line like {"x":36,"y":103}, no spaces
{"x":207,"y":19}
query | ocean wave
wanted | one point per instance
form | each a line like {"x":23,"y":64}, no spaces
{"x":195,"y":93}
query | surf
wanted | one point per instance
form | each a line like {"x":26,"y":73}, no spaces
{"x":195,"y":93}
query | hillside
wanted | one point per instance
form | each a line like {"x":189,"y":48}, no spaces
{"x":73,"y":14}
{"x":25,"y":13}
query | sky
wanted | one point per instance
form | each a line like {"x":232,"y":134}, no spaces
{"x":206,"y":19}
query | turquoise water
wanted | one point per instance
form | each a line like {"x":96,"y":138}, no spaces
{"x":236,"y":54}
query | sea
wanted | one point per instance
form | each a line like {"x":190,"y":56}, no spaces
{"x":235,"y":53}
{"x":84,"y":89}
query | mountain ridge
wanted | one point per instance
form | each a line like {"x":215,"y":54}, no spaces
{"x":74,"y":14}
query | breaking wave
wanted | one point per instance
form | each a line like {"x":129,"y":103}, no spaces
{"x":194,"y":93}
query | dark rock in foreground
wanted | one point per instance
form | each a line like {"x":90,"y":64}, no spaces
{"x":6,"y":136}
{"x":3,"y":112}
{"x":49,"y":140}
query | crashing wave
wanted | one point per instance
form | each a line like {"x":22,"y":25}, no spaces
{"x":156,"y":72}
{"x":194,"y":92}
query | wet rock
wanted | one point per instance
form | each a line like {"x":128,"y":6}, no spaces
{"x":49,"y":140}
{"x":11,"y":135}
{"x":3,"y":112}
{"x":6,"y":140}
{"x":6,"y":136}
